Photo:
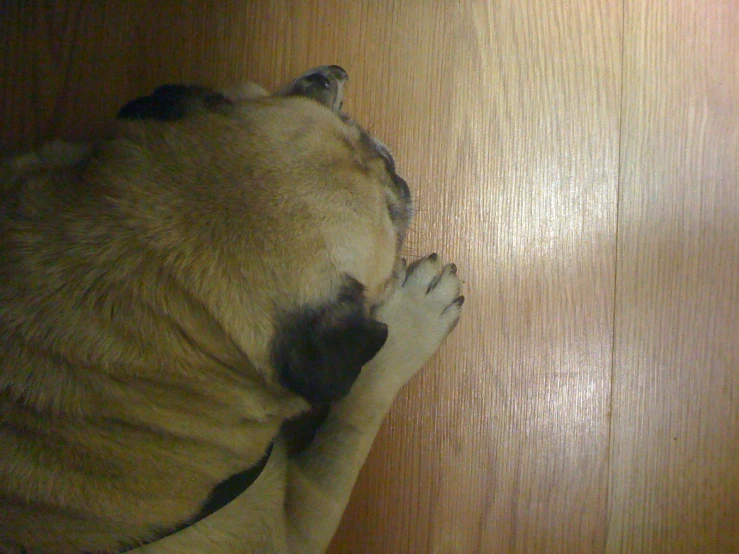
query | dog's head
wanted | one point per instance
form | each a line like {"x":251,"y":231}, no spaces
{"x":302,"y":209}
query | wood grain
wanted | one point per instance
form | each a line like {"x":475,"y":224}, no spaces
{"x":675,"y":441}
{"x":578,"y":160}
{"x":501,"y":444}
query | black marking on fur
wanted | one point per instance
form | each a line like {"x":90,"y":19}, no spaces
{"x":317,"y":85}
{"x":299,"y":431}
{"x":318,"y":81}
{"x":319,"y":352}
{"x":173,"y":102}
{"x":220,"y":496}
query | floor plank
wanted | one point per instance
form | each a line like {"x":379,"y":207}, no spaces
{"x":675,"y":444}
{"x":501,"y":444}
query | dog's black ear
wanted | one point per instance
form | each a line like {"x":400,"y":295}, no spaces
{"x":173,"y":102}
{"x":319,"y":352}
{"x":324,"y":84}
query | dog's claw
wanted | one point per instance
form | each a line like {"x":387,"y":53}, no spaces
{"x":423,"y":309}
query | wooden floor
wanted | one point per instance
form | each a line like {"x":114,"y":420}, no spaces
{"x":580,"y":163}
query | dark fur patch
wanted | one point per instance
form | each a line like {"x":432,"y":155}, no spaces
{"x":299,"y":431}
{"x":315,"y":86}
{"x":319,"y":352}
{"x":173,"y":102}
{"x":318,"y":85}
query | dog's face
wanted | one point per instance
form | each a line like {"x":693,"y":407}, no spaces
{"x":298,"y":201}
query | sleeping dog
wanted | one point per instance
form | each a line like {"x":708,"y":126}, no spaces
{"x":172,"y":296}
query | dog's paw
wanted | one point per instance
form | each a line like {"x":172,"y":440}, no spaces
{"x":420,"y":312}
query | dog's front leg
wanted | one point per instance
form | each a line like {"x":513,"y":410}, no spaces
{"x":420,"y":313}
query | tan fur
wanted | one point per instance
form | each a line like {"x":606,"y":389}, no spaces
{"x":141,"y":284}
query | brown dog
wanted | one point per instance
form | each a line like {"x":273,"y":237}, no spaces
{"x":168,"y":298}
